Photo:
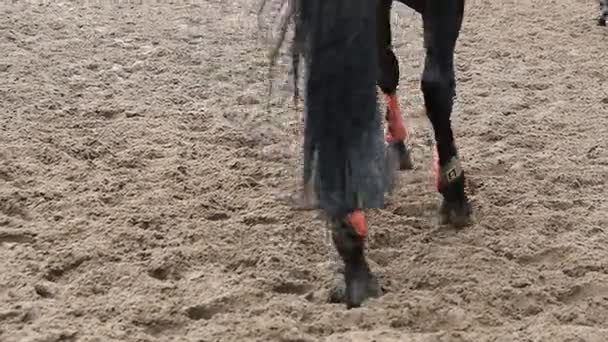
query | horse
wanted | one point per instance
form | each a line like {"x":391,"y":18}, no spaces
{"x":396,"y":134}
{"x":339,"y":41}
{"x":388,"y":81}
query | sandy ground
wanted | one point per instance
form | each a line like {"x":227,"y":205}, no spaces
{"x":141,"y":182}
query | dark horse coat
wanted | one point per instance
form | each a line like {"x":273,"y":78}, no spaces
{"x":339,"y":40}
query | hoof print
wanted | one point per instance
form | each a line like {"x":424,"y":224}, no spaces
{"x":292,"y":288}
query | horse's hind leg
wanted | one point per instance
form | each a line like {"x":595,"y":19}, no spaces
{"x":349,"y":234}
{"x":388,"y":81}
{"x":603,"y":12}
{"x":442,"y":23}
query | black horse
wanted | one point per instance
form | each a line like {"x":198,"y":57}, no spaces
{"x":388,"y":80}
{"x":343,"y":42}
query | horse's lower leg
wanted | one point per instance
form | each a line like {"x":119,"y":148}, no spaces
{"x":349,"y":234}
{"x":388,"y":81}
{"x":603,"y":12}
{"x":442,"y":23}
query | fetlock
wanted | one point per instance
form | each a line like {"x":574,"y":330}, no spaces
{"x":396,"y":130}
{"x":396,"y":134}
{"x":359,"y":282}
{"x":455,"y":207}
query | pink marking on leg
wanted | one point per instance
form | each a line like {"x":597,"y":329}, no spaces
{"x":435,"y":168}
{"x":357,"y":220}
{"x":396,"y":130}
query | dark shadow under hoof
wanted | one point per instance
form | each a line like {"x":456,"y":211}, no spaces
{"x":355,"y":291}
{"x":456,"y":214}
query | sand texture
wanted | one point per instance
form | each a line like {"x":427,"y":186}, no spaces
{"x":143,"y":182}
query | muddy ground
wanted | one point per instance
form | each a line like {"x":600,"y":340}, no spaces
{"x":142,"y":182}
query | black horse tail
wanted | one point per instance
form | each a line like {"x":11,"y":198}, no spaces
{"x":344,"y":127}
{"x":342,"y":117}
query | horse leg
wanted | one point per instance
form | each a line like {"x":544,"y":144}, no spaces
{"x":442,"y":21}
{"x":603,"y":12}
{"x":388,"y":81}
{"x":349,"y":233}
{"x":344,"y":125}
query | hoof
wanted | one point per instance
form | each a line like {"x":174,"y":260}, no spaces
{"x":361,"y":286}
{"x":450,"y":181}
{"x":601,"y":21}
{"x":397,"y":157}
{"x":456,"y":214}
{"x":391,"y":165}
{"x":405,"y":158}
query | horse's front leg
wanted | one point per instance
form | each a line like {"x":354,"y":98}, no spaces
{"x":442,"y":23}
{"x":388,"y":82}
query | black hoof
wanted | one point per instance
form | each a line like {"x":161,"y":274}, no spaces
{"x":455,"y":209}
{"x":391,"y":166}
{"x":456,"y":214}
{"x":601,"y":21}
{"x":405,"y":158}
{"x":358,"y":287}
{"x":397,"y":157}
